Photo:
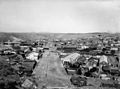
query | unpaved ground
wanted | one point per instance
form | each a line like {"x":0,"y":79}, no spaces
{"x":50,"y":72}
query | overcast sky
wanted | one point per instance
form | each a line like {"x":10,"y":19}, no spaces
{"x":65,"y":16}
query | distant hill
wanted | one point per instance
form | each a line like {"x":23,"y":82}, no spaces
{"x":37,"y":36}
{"x":22,"y":36}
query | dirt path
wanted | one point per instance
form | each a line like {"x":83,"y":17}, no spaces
{"x":50,"y":72}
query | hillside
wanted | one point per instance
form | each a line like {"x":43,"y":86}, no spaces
{"x":37,"y":36}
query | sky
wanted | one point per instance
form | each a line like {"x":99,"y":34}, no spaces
{"x":60,"y":16}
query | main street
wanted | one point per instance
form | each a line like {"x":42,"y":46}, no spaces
{"x":50,"y":71}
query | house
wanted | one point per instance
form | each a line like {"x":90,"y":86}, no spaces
{"x":27,"y":83}
{"x":3,"y":47}
{"x":81,"y":59}
{"x":71,"y":58}
{"x":112,"y":60}
{"x":68,"y":48}
{"x":103,"y":59}
{"x":33,"y":56}
{"x":29,"y":65}
{"x":114,"y":48}
{"x":12,"y":43}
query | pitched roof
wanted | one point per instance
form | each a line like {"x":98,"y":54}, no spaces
{"x":112,"y":60}
{"x":104,"y":59}
{"x":72,"y":57}
{"x":3,"y":47}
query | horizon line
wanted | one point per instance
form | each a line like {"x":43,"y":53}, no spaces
{"x":62,"y":32}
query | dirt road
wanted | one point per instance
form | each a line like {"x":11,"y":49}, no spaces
{"x":50,"y":72}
